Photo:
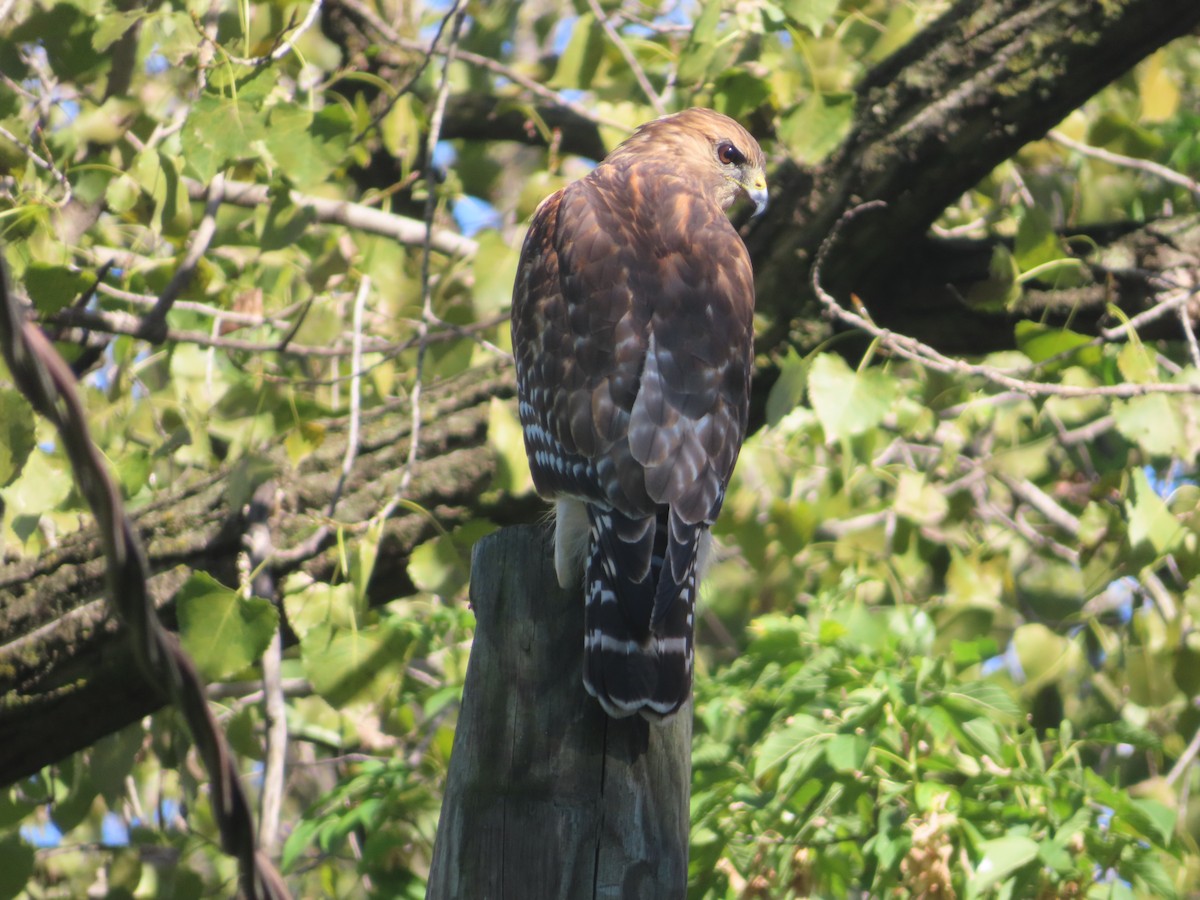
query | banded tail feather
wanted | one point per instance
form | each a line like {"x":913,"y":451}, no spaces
{"x":640,"y":582}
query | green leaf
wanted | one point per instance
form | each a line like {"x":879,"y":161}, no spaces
{"x":814,"y":128}
{"x":1122,"y":732}
{"x":111,"y":28}
{"x":112,"y":759}
{"x":17,"y":434}
{"x":314,"y":604}
{"x":1151,"y":525}
{"x":788,"y":390}
{"x":984,"y":733}
{"x":984,"y":698}
{"x":220,"y":130}
{"x":1148,"y":869}
{"x":1153,"y":423}
{"x":344,"y":664}
{"x":739,"y":92}
{"x":1001,"y":289}
{"x":1053,"y":588}
{"x":402,"y":130}
{"x":133,"y":471}
{"x":286,"y":223}
{"x":362,"y":564}
{"x":701,"y":45}
{"x":307,"y":147}
{"x":1137,"y":363}
{"x":1158,"y":89}
{"x":1055,"y":856}
{"x":813,"y":15}
{"x":300,"y":839}
{"x":919,"y":501}
{"x":578,"y":64}
{"x":124,"y":873}
{"x":848,"y":403}
{"x":495,"y":269}
{"x":65,"y":34}
{"x":250,"y":471}
{"x":1036,"y":242}
{"x":442,"y":565}
{"x":507,"y":441}
{"x":44,"y":483}
{"x":1042,"y":342}
{"x":799,"y":732}
{"x":846,"y":753}
{"x":1157,"y":819}
{"x":122,"y":194}
{"x":52,"y":288}
{"x":16,"y":865}
{"x":1000,"y":858}
{"x":223,"y":631}
{"x":1040,"y":652}
{"x":13,"y":808}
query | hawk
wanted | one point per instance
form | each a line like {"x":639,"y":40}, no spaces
{"x":632,"y":331}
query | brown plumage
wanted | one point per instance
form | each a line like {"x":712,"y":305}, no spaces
{"x":632,"y":330}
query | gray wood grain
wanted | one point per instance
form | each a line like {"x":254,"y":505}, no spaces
{"x":547,"y":797}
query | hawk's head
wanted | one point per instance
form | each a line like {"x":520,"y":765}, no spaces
{"x":708,"y":146}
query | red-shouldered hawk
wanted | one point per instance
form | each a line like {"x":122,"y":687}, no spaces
{"x":632,"y":330}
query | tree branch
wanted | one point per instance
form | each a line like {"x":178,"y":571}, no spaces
{"x":49,"y":385}
{"x":342,"y":212}
{"x":931,"y":121}
{"x":61,"y":658}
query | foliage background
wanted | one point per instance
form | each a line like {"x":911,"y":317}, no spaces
{"x":950,"y":645}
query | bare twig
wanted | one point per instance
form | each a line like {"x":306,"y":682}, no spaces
{"x":1042,"y":502}
{"x":1189,"y":333}
{"x":114,"y":322}
{"x":1085,"y":434}
{"x":1185,"y":759}
{"x":1128,"y":162}
{"x":475,"y":59}
{"x":342,"y":212}
{"x":208,"y":310}
{"x":313,"y":542}
{"x":41,"y":163}
{"x":435,"y":126}
{"x":1172,"y":300}
{"x":154,"y":325}
{"x":261,"y":583}
{"x":284,"y":47}
{"x":916,"y":351}
{"x":252,"y":692}
{"x":415,"y":76}
{"x":356,"y":372}
{"x":634,"y":66}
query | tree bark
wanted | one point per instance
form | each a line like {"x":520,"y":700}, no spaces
{"x":931,"y":121}
{"x":547,"y":796}
{"x":64,"y":659}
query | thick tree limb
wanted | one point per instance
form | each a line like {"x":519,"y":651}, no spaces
{"x":931,"y":121}
{"x":934,"y":119}
{"x":61,"y":657}
{"x":49,"y":385}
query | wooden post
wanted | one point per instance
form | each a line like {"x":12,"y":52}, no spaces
{"x":547,"y":797}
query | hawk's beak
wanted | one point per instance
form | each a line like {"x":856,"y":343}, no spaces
{"x":756,"y":190}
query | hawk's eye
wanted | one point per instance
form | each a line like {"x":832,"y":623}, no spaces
{"x":729,"y":155}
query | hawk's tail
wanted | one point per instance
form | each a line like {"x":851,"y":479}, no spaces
{"x":640,"y":599}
